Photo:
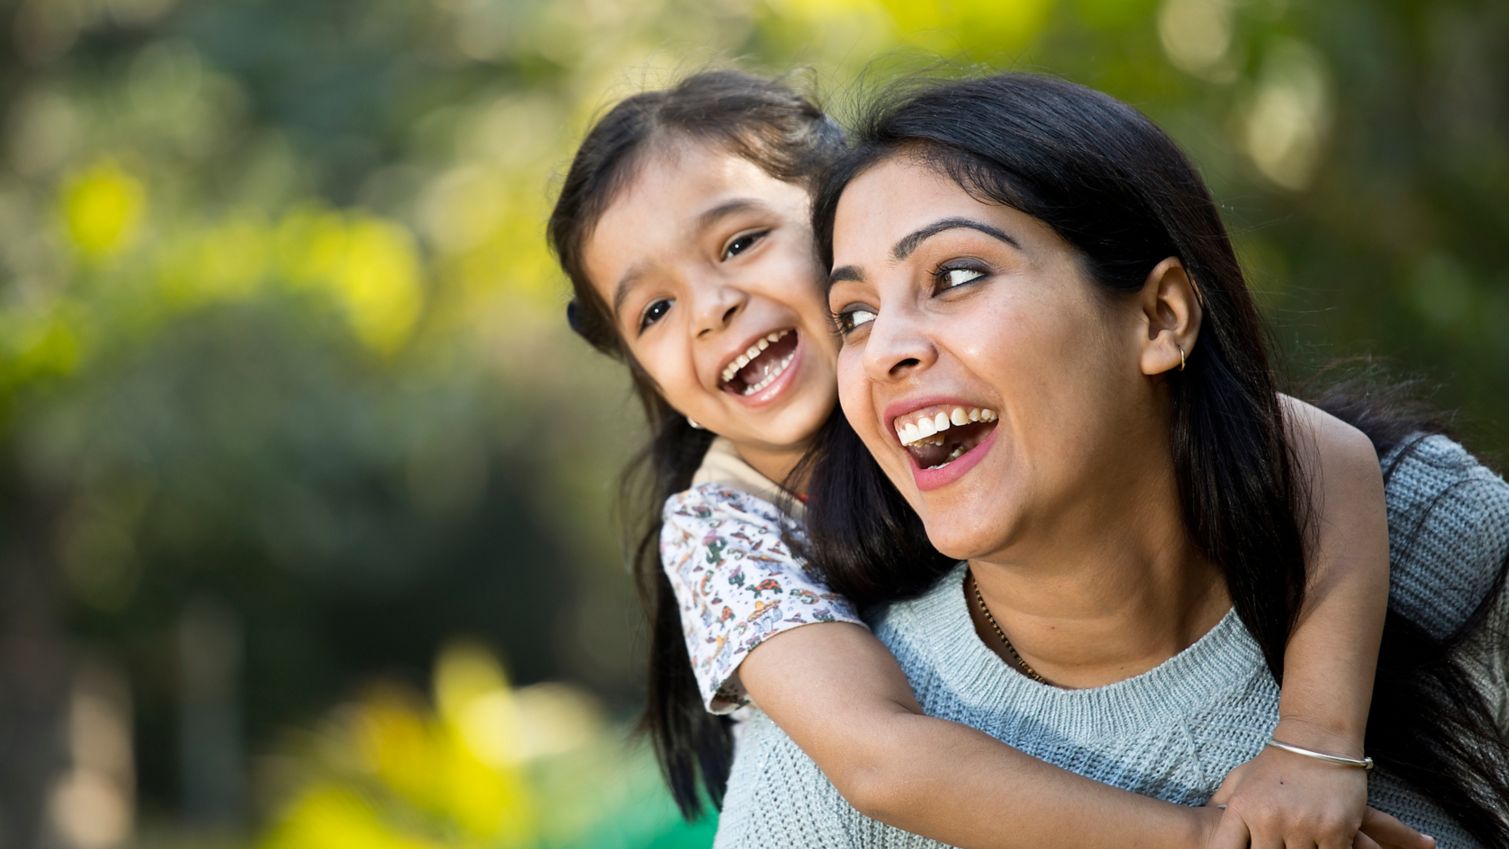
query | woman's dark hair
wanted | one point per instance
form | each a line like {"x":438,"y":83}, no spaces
{"x":787,"y":136}
{"x":1122,"y":193}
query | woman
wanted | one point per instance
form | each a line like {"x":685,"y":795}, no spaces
{"x":1128,"y":512}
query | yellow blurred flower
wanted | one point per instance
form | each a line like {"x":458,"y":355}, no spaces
{"x":102,"y":208}
{"x":369,"y":265}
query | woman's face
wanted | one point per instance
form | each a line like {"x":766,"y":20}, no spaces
{"x":708,"y":266}
{"x":997,"y":387}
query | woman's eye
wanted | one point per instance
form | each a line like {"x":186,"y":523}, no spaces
{"x":653,"y":313}
{"x":852,"y":318}
{"x":742,"y":243}
{"x":948,"y":278}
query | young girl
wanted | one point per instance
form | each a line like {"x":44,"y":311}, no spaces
{"x":683,"y":225}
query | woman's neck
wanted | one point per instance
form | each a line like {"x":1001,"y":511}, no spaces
{"x":1114,"y":595}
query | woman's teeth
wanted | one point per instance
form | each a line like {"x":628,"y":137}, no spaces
{"x":928,"y":427}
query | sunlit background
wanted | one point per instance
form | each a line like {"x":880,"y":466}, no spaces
{"x":305,"y":538}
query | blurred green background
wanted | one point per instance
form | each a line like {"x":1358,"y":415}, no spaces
{"x":306,"y":536}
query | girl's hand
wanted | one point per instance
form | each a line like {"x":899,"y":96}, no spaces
{"x":1280,"y":800}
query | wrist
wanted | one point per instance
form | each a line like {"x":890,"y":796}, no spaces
{"x":1319,"y":736}
{"x":1199,"y":827}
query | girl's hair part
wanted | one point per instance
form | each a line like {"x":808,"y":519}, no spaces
{"x":1114,"y":186}
{"x":786,"y":135}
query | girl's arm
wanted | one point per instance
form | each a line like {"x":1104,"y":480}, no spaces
{"x":1331,"y":656}
{"x":754,"y":625}
{"x":839,"y":694}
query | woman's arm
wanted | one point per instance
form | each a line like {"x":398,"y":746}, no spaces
{"x":1331,"y":656}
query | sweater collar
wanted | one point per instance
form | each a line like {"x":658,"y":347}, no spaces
{"x":1225,"y":659}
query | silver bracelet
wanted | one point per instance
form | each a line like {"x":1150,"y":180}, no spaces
{"x":1363,"y":763}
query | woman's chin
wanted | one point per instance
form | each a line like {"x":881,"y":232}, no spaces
{"x":960,"y":544}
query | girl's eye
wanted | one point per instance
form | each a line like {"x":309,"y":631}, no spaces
{"x":948,"y":278}
{"x":852,"y":318}
{"x":742,"y":243}
{"x":653,"y":313}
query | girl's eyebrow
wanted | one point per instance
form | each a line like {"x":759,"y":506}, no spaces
{"x":909,"y":243}
{"x":624,"y":287}
{"x":704,"y":220}
{"x":729,"y":207}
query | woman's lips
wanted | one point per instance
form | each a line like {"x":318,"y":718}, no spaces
{"x":935,"y":478}
{"x":942,"y":436}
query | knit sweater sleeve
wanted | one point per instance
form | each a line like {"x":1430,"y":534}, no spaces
{"x":1448,"y":518}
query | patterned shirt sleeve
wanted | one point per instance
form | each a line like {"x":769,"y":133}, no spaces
{"x":737,"y":583}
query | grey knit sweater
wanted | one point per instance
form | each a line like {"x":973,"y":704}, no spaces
{"x":1173,"y":732}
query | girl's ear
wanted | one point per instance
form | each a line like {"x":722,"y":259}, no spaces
{"x":1170,"y":313}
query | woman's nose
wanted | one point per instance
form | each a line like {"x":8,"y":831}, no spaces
{"x":898,"y":345}
{"x":716,"y":306}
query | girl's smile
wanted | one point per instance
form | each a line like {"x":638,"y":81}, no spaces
{"x":708,"y":265}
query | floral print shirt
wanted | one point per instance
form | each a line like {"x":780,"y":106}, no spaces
{"x":737,"y":582}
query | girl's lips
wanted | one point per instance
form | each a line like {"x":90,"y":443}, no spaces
{"x":930,"y":479}
{"x":770,"y":394}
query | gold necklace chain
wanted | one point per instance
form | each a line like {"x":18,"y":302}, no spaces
{"x":1001,"y":635}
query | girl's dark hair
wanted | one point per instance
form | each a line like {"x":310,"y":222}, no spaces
{"x":1122,"y":193}
{"x":786,"y":135}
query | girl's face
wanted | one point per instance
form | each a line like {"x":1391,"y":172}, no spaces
{"x":708,"y":267}
{"x":997,"y":388}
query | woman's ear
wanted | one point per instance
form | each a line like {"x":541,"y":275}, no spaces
{"x":1171,"y":314}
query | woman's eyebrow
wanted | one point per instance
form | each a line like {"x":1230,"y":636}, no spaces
{"x":909,"y":242}
{"x":848,"y":273}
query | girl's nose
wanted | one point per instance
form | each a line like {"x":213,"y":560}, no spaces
{"x":717,"y":306}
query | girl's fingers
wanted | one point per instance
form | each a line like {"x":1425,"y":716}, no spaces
{"x":1390,"y":833}
{"x":1365,"y":842}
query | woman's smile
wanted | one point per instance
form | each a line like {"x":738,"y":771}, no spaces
{"x":989,"y":380}
{"x":944,"y":438}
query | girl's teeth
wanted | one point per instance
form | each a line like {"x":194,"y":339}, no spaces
{"x":922,"y":428}
{"x":754,"y":351}
{"x":780,"y":369}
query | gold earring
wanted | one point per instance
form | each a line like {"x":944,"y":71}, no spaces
{"x":1181,"y":355}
